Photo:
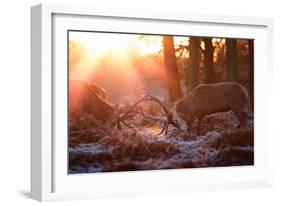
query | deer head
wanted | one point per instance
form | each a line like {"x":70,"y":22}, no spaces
{"x":178,"y":119}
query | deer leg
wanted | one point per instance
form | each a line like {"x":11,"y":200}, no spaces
{"x":242,"y":120}
{"x":241,"y":116}
{"x":198,"y":128}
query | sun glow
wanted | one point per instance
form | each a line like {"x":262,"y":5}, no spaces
{"x":91,"y":51}
{"x":99,"y":53}
{"x":99,"y":44}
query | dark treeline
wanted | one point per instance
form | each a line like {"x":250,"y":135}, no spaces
{"x":209,"y":60}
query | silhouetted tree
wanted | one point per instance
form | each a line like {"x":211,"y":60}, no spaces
{"x":231,"y":59}
{"x":170,"y":62}
{"x":208,"y":60}
{"x":251,"y":71}
{"x":194,"y":57}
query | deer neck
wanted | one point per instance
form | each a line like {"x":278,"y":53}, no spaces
{"x":101,"y":109}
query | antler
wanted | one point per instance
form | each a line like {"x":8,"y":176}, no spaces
{"x":168,"y":115}
{"x":131,"y":109}
{"x":169,"y":120}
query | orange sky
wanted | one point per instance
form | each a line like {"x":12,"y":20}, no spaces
{"x":99,"y":43}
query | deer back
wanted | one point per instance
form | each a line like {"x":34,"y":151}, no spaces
{"x":212,"y":98}
{"x":84,"y":99}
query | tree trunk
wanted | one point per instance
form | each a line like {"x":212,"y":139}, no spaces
{"x":251,"y":72}
{"x":208,"y":61}
{"x":171,"y":68}
{"x":231,"y":59}
{"x":194,"y":55}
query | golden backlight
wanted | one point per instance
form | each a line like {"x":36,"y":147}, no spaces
{"x":94,"y":46}
{"x":146,"y":102}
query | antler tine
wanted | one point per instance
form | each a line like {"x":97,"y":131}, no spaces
{"x":121,"y":118}
{"x":125,"y":114}
{"x":127,"y":125}
{"x":152,"y":98}
{"x":164,"y":129}
{"x":147,"y":97}
{"x":168,"y":115}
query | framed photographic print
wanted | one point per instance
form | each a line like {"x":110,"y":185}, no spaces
{"x":137,"y":102}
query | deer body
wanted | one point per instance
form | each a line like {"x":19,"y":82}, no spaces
{"x":207,"y":99}
{"x":88,"y":98}
{"x":85,"y":98}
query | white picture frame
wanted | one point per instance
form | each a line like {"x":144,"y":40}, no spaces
{"x":49,"y":181}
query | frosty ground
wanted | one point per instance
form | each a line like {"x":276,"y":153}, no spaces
{"x":220,"y":143}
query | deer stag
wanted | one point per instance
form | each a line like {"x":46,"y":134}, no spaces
{"x":85,"y":98}
{"x":88,"y":98}
{"x":207,"y":99}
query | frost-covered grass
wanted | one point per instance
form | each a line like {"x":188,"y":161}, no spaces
{"x":220,"y":143}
